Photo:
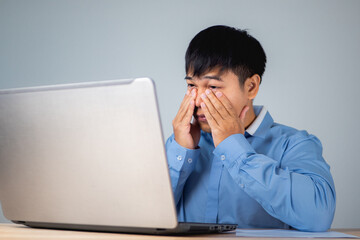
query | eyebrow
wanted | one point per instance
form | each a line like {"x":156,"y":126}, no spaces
{"x":216,"y":77}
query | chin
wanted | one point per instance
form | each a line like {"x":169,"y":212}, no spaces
{"x":205,"y":127}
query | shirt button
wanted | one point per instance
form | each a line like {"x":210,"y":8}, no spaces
{"x":222,"y":157}
{"x":179,"y":158}
{"x":189,"y":160}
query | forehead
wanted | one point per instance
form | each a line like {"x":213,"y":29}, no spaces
{"x":217,"y":74}
{"x":218,"y":71}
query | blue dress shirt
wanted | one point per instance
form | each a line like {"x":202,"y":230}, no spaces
{"x":274,"y":176}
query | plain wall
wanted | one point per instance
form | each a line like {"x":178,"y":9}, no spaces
{"x":311,"y":81}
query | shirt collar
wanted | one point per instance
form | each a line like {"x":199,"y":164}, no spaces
{"x":262,"y":122}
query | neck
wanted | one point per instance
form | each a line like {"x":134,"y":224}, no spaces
{"x":250,"y":115}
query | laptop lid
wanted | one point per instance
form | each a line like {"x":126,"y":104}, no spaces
{"x":85,"y":154}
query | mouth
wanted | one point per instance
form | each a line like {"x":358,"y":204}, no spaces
{"x":201,"y":118}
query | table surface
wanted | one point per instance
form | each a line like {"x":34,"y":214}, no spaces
{"x":15,"y":231}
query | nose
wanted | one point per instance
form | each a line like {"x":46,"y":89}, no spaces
{"x":198,"y":99}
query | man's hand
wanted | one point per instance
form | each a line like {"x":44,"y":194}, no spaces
{"x":187,"y":134}
{"x":221,"y":116}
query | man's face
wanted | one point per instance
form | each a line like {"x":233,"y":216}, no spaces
{"x":226,"y":82}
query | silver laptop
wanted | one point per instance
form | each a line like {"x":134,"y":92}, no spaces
{"x":88,"y":156}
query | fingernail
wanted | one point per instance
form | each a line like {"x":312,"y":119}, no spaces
{"x":207,"y":91}
{"x":203,"y":96}
{"x":218,"y":94}
{"x":187,"y":92}
{"x":202,"y":105}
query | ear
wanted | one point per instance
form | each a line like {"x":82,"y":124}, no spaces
{"x":251,"y":86}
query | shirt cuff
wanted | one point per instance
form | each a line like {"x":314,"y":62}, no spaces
{"x":234,"y":149}
{"x":181,"y":158}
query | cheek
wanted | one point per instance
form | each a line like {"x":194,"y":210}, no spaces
{"x":238,"y":103}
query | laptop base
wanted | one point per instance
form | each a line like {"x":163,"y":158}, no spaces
{"x":181,"y":229}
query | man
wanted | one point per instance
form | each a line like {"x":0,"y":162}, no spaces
{"x":232,"y":163}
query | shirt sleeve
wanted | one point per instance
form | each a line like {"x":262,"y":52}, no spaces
{"x":298,"y":189}
{"x":181,"y":163}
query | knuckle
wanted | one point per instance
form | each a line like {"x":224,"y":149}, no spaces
{"x":212,"y":111}
{"x":220,"y":107}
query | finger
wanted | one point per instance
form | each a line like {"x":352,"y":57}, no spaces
{"x":220,"y":108}
{"x":210,"y":107}
{"x":225,"y":102}
{"x":190,"y":111}
{"x":209,"y":118}
{"x":185,"y":100}
{"x":189,"y":108}
{"x":184,"y":107}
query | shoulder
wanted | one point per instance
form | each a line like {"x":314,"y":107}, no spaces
{"x":301,"y":151}
{"x":291,"y":137}
{"x":291,"y":133}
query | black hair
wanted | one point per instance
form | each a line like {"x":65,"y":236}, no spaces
{"x":228,"y":48}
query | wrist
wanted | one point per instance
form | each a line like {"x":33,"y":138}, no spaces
{"x":220,"y":139}
{"x":184,"y":144}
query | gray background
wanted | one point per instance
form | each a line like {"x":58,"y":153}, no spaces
{"x":311,"y":81}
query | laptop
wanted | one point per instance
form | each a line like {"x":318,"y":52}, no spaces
{"x":88,"y":156}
